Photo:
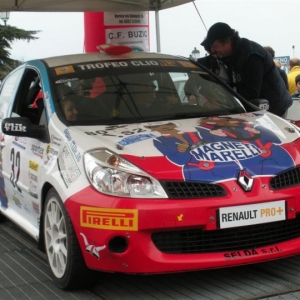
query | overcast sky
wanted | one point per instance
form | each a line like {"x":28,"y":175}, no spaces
{"x":269,"y":22}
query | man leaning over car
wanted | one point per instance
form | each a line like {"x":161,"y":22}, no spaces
{"x":254,"y":74}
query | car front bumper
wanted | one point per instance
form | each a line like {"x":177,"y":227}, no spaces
{"x":158,"y":236}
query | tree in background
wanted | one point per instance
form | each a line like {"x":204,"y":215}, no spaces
{"x":9,"y":34}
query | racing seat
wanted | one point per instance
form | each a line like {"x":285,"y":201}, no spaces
{"x":28,"y":108}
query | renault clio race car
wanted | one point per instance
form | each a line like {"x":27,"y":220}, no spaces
{"x":109,"y":170}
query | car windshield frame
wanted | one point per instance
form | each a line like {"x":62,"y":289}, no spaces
{"x":131,"y":94}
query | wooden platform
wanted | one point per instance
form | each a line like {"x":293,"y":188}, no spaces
{"x":24,"y":274}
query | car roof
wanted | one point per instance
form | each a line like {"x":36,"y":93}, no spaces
{"x":89,"y":57}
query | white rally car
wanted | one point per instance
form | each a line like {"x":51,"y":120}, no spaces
{"x":109,"y":169}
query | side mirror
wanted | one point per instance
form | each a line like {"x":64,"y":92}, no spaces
{"x":20,"y":126}
{"x":262,"y":104}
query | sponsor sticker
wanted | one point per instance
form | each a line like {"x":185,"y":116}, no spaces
{"x":105,"y":218}
{"x":64,"y":70}
{"x":33,"y":166}
{"x":68,"y":166}
{"x":243,"y":215}
{"x":167,"y":63}
{"x":135,"y":139}
{"x":251,"y":252}
{"x":187,"y":64}
{"x":15,"y":127}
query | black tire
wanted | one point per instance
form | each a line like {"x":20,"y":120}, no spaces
{"x":61,"y":246}
{"x":2,"y":218}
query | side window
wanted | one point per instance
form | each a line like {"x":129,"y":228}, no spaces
{"x":8,"y":91}
{"x":179,"y":80}
{"x":29,"y":99}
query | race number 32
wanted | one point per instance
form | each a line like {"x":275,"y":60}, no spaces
{"x":15,"y":168}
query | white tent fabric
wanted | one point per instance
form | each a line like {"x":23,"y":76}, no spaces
{"x":87,"y":5}
{"x":92,"y":5}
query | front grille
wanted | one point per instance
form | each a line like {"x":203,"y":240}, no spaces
{"x":285,"y":180}
{"x":231,"y":239}
{"x":179,"y":189}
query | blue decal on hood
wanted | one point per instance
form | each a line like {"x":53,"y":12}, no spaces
{"x":136,"y":138}
{"x":220,"y":147}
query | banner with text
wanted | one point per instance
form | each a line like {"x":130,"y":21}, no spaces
{"x":284,"y":60}
{"x":128,"y":28}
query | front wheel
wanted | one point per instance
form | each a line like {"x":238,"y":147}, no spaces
{"x":62,"y":249}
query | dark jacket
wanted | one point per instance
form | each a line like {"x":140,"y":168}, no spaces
{"x":256,"y":75}
{"x":206,"y":61}
{"x":284,"y":77}
{"x":216,"y":66}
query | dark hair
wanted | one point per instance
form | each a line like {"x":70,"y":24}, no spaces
{"x":294,"y":62}
{"x":235,"y":38}
{"x":217,"y":31}
{"x":74,"y":98}
{"x":270,"y":50}
{"x":297,"y":79}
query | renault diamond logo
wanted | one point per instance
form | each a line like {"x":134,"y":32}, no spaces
{"x":245,"y":180}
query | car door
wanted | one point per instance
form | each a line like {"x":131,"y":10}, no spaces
{"x":22,"y":157}
{"x":7,"y":94}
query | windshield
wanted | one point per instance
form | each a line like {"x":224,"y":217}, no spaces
{"x":130,"y":95}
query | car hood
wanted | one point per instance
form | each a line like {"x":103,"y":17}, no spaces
{"x":206,"y":149}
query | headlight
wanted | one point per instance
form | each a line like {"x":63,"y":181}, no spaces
{"x":113,"y":175}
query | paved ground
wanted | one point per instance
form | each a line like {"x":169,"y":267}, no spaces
{"x":24,"y":274}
